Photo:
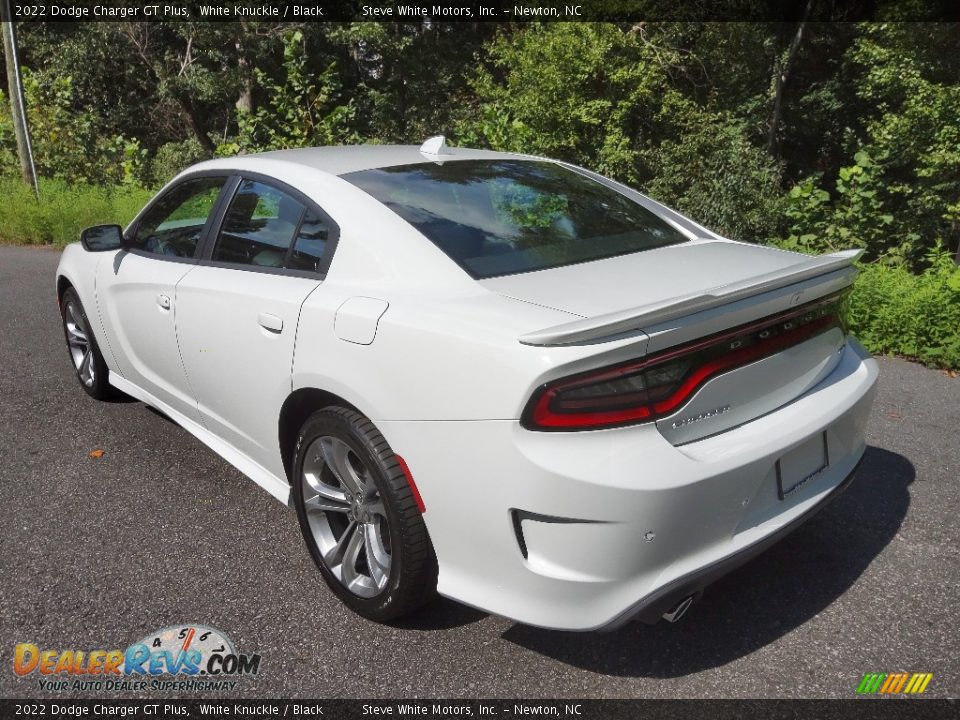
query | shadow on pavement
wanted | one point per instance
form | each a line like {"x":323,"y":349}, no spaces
{"x":441,"y":614}
{"x":761,"y":601}
{"x":119,"y":397}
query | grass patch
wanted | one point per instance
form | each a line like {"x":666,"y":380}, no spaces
{"x":893,"y":311}
{"x":63,"y":211}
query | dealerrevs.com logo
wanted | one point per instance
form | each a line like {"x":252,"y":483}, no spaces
{"x":179,"y":658}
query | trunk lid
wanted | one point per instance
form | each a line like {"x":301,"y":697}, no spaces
{"x":628,"y":281}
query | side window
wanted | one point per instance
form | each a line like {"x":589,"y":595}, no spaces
{"x":261,"y":225}
{"x":310,"y":243}
{"x":173,"y":226}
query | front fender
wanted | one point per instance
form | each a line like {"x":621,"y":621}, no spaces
{"x":78,"y":269}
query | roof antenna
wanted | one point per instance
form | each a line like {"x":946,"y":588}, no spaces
{"x":434,"y":147}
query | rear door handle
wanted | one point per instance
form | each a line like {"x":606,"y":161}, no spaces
{"x":163,"y":301}
{"x":270,"y":322}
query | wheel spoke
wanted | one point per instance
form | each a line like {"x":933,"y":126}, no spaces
{"x":349,"y":575}
{"x":336,"y":454}
{"x":75,"y":335}
{"x":366,"y":481}
{"x":86,"y":368}
{"x":377,"y":558}
{"x":323,"y":503}
{"x":335,"y":555}
{"x":72,"y":312}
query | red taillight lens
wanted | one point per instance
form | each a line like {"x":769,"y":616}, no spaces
{"x":654,"y":387}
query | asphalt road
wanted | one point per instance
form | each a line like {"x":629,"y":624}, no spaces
{"x":159,"y":531}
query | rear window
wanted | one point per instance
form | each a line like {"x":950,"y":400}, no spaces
{"x":511,"y":216}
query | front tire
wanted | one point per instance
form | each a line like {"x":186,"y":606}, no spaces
{"x":88,"y":363}
{"x":359,"y":518}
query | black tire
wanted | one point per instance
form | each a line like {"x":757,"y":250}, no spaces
{"x":97,"y":383}
{"x":412,"y":578}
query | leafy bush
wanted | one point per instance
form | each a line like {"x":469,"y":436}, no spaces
{"x":892,"y":310}
{"x":909,"y":88}
{"x":857,"y":217}
{"x":898,"y":198}
{"x":68,"y":143}
{"x":64,"y":209}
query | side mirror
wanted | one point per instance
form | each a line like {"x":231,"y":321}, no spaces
{"x":102,"y":237}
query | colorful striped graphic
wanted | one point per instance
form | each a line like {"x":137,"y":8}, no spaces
{"x":894,"y":683}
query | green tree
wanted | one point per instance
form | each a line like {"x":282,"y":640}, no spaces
{"x":301,"y":110}
{"x":69,"y":144}
{"x":627,"y":102}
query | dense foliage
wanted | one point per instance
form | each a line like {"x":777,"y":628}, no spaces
{"x":812,"y":136}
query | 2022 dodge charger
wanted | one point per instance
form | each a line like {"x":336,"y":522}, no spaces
{"x":496,"y":376}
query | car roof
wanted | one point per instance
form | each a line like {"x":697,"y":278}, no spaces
{"x":344,"y":159}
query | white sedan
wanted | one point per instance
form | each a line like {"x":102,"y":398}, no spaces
{"x":498,"y":377}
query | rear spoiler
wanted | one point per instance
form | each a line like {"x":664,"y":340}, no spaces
{"x":607,"y":326}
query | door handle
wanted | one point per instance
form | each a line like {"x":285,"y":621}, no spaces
{"x":270,"y":322}
{"x":163,"y":301}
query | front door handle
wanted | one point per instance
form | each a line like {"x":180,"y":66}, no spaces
{"x":270,"y":322}
{"x":163,"y":301}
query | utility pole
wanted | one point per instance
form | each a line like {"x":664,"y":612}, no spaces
{"x":17,"y":108}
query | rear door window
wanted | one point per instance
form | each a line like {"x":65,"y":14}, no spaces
{"x":267,"y":227}
{"x":259,"y":225}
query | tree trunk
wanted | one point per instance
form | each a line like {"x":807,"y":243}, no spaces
{"x":17,"y":109}
{"x":194,"y":124}
{"x":782,"y":72}
{"x":245,"y":101}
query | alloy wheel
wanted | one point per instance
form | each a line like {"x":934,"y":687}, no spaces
{"x":346,"y":516}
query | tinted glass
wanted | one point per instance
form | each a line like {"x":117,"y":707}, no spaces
{"x":310,"y":244}
{"x":172,"y":227}
{"x":260,"y":224}
{"x":509,"y":216}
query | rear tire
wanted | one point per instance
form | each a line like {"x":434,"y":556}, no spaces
{"x":88,"y":363}
{"x":359,"y":518}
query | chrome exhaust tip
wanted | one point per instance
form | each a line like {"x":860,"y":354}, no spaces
{"x":679,"y":610}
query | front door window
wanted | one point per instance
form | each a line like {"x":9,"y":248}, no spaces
{"x":174,"y":224}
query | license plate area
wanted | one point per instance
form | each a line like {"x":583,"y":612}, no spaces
{"x":802,"y":465}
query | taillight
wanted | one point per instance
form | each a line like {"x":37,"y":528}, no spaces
{"x":656,"y":386}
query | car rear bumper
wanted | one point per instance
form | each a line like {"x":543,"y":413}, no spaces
{"x":585,"y":530}
{"x":652,"y":607}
